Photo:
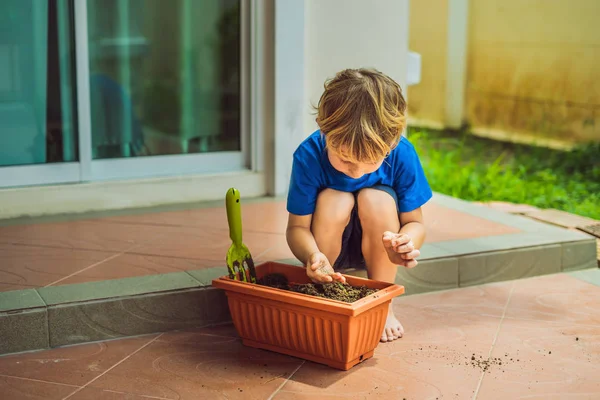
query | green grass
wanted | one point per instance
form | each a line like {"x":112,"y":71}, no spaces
{"x":476,"y":169}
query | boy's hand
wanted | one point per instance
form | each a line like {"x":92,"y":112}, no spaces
{"x":319,"y":269}
{"x":400,"y":249}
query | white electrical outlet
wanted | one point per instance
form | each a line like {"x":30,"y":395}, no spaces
{"x":413,"y":70}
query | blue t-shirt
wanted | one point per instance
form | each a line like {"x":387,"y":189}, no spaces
{"x":312,"y":172}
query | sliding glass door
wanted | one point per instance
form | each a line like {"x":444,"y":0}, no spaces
{"x":165,"y":89}
{"x":117,"y":89}
{"x":38,"y":130}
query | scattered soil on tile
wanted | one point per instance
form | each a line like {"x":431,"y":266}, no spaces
{"x":334,"y":291}
{"x":485,"y":363}
{"x":456,"y":359}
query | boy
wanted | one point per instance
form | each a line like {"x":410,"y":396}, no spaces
{"x":357,"y":186}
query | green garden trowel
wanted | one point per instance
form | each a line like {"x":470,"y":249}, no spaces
{"x":239,"y":260}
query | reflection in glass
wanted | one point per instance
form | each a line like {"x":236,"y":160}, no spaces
{"x":164,"y":76}
{"x":37,"y":91}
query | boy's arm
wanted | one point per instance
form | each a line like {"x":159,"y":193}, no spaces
{"x":412,"y":224}
{"x":300,"y":238}
{"x":303,"y":245}
{"x":413,"y":191}
{"x":403,"y":247}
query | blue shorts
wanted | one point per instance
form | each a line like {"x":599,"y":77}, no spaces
{"x":351,"y":255}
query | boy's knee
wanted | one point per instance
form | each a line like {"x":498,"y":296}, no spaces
{"x":335,"y":206}
{"x":375,"y":205}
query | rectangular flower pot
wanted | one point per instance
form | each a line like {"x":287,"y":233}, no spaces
{"x":325,"y":331}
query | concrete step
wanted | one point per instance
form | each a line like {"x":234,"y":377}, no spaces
{"x":33,"y":319}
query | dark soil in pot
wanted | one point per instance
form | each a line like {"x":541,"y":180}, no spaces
{"x":334,"y":291}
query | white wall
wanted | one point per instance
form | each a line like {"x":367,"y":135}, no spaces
{"x":343,"y":34}
{"x":289,"y":87}
{"x":314,"y":39}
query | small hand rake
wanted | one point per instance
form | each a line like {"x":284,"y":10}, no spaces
{"x":239,"y":260}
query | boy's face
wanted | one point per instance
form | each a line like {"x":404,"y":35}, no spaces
{"x":354,"y":170}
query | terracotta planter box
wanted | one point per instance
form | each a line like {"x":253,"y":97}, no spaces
{"x":329,"y":332}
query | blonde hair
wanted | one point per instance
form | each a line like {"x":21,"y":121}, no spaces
{"x":362,"y":114}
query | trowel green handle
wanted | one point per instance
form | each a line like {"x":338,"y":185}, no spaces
{"x":234,"y":215}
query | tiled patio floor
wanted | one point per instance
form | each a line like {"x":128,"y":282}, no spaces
{"x":542,"y":335}
{"x":34,"y":255}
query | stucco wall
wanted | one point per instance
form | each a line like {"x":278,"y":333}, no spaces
{"x":532,"y":67}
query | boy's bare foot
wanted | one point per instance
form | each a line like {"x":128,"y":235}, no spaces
{"x":393,"y":328}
